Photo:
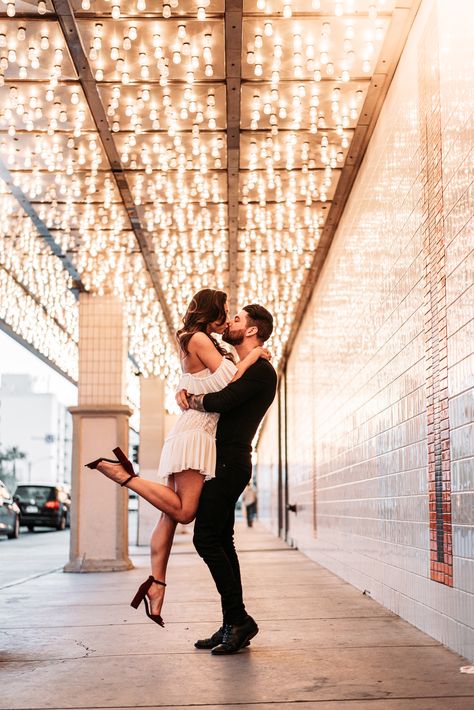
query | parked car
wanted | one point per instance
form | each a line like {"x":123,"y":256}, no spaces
{"x":9,"y":514}
{"x":46,"y":506}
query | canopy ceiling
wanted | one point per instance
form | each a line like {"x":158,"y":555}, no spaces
{"x":153,"y":149}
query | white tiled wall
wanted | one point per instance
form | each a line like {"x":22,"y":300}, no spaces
{"x":356,"y":379}
{"x":268,"y":476}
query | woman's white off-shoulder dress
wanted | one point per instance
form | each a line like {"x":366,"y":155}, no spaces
{"x":191,"y":443}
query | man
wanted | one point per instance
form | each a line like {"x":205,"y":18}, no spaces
{"x":249,"y":499}
{"x":242,"y":405}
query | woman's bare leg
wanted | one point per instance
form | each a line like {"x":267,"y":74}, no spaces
{"x":188,"y":485}
{"x":160,"y":543}
{"x":180,"y":507}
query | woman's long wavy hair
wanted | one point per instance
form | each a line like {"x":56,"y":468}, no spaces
{"x":206,"y":306}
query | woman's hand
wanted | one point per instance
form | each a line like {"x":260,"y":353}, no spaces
{"x":259,"y":352}
{"x":181,"y":398}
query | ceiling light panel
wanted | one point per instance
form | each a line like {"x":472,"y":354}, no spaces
{"x":134,"y":8}
{"x":152,"y":50}
{"x":37,"y":8}
{"x":178,"y":187}
{"x":202,"y":152}
{"x":311,"y":48}
{"x":33,"y":49}
{"x":172,"y":108}
{"x":310,"y":106}
{"x":293,"y":149}
{"x":338,"y":8}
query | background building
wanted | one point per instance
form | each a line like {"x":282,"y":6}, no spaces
{"x":39,"y":425}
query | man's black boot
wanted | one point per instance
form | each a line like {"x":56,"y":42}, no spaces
{"x":235,"y":637}
{"x":213,"y":641}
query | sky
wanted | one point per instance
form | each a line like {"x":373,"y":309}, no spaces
{"x":16,"y":359}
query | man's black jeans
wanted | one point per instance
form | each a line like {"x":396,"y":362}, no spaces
{"x":214,"y":534}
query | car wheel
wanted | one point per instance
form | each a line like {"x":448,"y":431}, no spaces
{"x":62,"y":523}
{"x":30,"y":527}
{"x":16,"y":529}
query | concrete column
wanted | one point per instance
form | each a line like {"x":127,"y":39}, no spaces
{"x":152,"y":433}
{"x":99,"y":520}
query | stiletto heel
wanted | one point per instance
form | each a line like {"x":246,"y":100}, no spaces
{"x":94,"y":464}
{"x":141,"y":596}
{"x":122,"y":460}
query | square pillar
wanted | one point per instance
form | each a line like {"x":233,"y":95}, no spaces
{"x":99,"y":517}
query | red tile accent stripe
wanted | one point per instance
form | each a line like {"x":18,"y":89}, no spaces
{"x":439,"y":469}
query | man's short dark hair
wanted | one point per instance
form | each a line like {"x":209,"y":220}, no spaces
{"x":261,"y":318}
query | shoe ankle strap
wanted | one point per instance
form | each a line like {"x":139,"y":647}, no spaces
{"x":157,"y":581}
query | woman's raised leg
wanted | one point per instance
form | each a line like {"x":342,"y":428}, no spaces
{"x":165,"y":499}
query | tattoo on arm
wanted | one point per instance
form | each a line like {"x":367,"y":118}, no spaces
{"x":195,"y":402}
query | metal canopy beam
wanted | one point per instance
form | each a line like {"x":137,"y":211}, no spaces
{"x":233,"y":55}
{"x":67,"y":21}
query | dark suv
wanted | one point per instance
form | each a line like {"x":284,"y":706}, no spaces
{"x":43,"y":506}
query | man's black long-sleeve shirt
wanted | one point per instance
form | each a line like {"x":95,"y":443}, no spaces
{"x":242,"y":406}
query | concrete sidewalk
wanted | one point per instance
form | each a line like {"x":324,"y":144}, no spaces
{"x":73,"y":641}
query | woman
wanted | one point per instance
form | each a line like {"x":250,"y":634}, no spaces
{"x":189,"y":452}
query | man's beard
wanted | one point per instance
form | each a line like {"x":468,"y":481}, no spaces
{"x":233,"y":338}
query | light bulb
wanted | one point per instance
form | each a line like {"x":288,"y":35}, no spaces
{"x":201,"y":14}
{"x":116,"y":12}
{"x":166,"y":10}
{"x":41,"y":7}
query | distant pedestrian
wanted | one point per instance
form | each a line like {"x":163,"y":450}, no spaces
{"x":250,"y":501}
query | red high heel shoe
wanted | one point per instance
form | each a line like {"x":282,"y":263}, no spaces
{"x":141,"y":596}
{"x":122,"y":459}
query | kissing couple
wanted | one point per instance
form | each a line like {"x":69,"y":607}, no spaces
{"x":205,"y":462}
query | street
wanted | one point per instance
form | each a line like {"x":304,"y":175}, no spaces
{"x":32,"y":554}
{"x":41,"y":552}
